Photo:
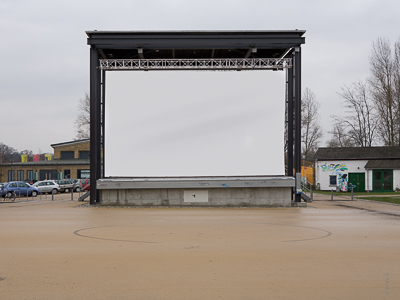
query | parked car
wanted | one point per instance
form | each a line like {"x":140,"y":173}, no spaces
{"x":47,"y":186}
{"x":66,"y":185}
{"x":30,"y":182}
{"x":77,"y":184}
{"x":1,"y":189}
{"x":85,"y":183}
{"x":20,"y":188}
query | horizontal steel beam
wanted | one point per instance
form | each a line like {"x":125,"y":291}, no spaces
{"x":196,"y":40}
{"x":196,"y":64}
{"x":132,"y":45}
{"x":194,"y":182}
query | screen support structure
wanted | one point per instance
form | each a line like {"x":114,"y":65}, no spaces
{"x":289,"y":122}
{"x":105,"y":47}
{"x":297,"y":120}
{"x":293,"y":138}
{"x":95,"y":123}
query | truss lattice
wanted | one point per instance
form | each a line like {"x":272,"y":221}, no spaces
{"x":196,"y":64}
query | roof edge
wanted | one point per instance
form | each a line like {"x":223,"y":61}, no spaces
{"x":70,"y":143}
{"x":195,"y":32}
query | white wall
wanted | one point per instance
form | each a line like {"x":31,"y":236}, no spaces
{"x":396,"y":179}
{"x":338,"y":168}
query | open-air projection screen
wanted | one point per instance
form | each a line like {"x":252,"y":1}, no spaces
{"x":194,"y":123}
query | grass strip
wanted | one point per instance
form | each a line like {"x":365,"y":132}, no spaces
{"x":357,"y":193}
{"x":394,"y":199}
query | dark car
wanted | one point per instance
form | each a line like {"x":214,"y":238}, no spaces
{"x":1,"y":189}
{"x":30,"y":181}
{"x":20,"y":188}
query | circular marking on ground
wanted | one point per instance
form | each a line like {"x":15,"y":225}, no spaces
{"x":327,"y":233}
{"x":155,"y":233}
{"x":79,"y":233}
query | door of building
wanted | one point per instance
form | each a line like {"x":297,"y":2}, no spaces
{"x":48,"y":174}
{"x":357,"y":181}
{"x":382,"y":181}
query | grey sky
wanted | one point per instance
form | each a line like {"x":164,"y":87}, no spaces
{"x":44,"y":56}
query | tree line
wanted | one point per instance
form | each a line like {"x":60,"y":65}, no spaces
{"x":9,"y":154}
{"x":372,"y":106}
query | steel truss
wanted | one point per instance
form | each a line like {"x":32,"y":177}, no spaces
{"x":196,"y":64}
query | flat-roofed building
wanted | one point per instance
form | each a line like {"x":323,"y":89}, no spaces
{"x":71,"y":160}
{"x":375,"y":169}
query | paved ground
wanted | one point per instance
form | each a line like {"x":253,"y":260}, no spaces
{"x":328,"y":250}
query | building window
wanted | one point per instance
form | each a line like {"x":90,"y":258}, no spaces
{"x":83,"y":174}
{"x":29,"y":175}
{"x":67,"y":174}
{"x":20,"y":175}
{"x":67,"y":154}
{"x":10,"y":175}
{"x":332,"y":180}
{"x":84,"y":154}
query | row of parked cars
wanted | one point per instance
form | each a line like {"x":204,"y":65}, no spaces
{"x":46,"y":186}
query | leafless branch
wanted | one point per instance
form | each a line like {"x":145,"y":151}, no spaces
{"x":311,"y":130}
{"x":82,"y":122}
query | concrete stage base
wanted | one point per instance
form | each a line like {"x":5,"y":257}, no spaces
{"x":197,"y":191}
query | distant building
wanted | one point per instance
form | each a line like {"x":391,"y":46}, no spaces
{"x":71,"y":160}
{"x":374,"y":169}
{"x":308,"y":173}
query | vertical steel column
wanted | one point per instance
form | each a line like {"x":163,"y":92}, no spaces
{"x":297,"y":120}
{"x":290,"y":81}
{"x":290,"y":122}
{"x":98,"y":127}
{"x":94,"y":122}
{"x":103,"y":114}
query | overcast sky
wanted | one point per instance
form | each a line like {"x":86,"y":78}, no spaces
{"x":45,"y":58}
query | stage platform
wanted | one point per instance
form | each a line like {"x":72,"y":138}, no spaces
{"x":196,"y":191}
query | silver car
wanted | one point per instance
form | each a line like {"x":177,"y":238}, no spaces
{"x":66,"y":185}
{"x":47,"y":186}
{"x":77,"y":185}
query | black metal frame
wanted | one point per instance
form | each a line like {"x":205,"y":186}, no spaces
{"x":192,"y":44}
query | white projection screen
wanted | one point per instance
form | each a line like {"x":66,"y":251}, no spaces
{"x":194,"y":123}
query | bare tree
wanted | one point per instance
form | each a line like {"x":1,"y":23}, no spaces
{"x":359,"y":123}
{"x":397,"y":82}
{"x":385,"y":88}
{"x":311,"y":130}
{"x":82,"y":122}
{"x":8,"y":154}
{"x":340,"y":138}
